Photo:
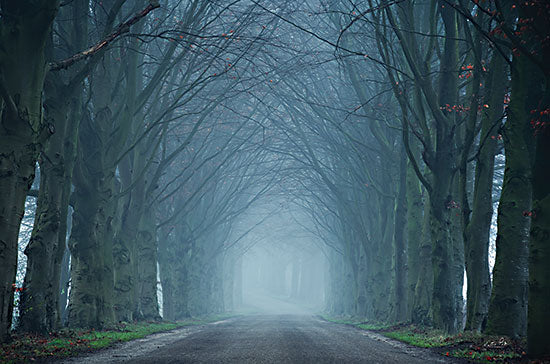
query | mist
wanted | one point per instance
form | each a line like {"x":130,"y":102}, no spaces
{"x":380,"y":162}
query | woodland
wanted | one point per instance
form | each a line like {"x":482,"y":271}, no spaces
{"x":143,"y":144}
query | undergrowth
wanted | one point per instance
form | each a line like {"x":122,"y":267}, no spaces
{"x":72,"y":342}
{"x":475,"y":347}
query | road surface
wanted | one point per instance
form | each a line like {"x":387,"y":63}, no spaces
{"x":266,"y":338}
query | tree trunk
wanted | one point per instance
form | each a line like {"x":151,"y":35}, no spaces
{"x":479,"y":226}
{"x":539,"y":251}
{"x":508,"y":304}
{"x":64,"y":278}
{"x":423,"y":291}
{"x":16,"y":176}
{"x":37,"y":296}
{"x":538,"y":344}
{"x":91,"y":240}
{"x":444,"y":299}
{"x":400,"y":267}
{"x":442,"y":206}
{"x":85,"y":261}
{"x":39,"y":301}
{"x":23,"y":37}
{"x":414,"y":237}
{"x":238,"y":283}
{"x":125,"y":242}
{"x":147,"y":255}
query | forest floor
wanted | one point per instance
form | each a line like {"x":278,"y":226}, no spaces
{"x":66,"y":343}
{"x":474,"y":347}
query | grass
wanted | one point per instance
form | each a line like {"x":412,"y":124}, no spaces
{"x":341,"y":320}
{"x":416,"y":339}
{"x":72,"y":342}
{"x":474,"y":347}
{"x":353,"y":321}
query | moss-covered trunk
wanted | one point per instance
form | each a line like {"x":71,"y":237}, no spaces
{"x":423,"y":290}
{"x":36,"y":299}
{"x":40,"y":298}
{"x":125,"y":266}
{"x":85,"y":259}
{"x":91,"y":299}
{"x":23,"y":33}
{"x":16,"y":176}
{"x":91,"y":265}
{"x":125,"y":241}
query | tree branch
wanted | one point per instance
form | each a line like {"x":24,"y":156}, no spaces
{"x":120,"y":29}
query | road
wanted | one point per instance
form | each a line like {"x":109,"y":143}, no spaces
{"x":266,"y":338}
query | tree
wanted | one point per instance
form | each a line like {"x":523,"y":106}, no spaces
{"x":24,"y":30}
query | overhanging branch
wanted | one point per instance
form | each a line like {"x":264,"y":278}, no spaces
{"x":120,"y":29}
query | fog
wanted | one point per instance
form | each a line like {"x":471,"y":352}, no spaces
{"x":162,"y":160}
{"x":283,"y":266}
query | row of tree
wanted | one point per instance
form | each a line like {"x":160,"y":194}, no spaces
{"x":396,"y":146}
{"x":141,"y":147}
{"x":380,"y":120}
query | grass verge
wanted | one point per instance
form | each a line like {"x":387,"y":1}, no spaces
{"x":71,"y":342}
{"x":474,"y":347}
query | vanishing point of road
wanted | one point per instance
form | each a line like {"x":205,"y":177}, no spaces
{"x":281,"y":338}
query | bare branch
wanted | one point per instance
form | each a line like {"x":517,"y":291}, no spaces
{"x":120,"y":29}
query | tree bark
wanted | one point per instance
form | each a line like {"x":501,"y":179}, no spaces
{"x":400,"y":254}
{"x":423,"y":291}
{"x":23,"y":34}
{"x":538,"y":344}
{"x":414,"y":238}
{"x":478,"y":229}
{"x":147,"y":255}
{"x":36,"y":299}
{"x":91,"y":248}
{"x":508,"y":304}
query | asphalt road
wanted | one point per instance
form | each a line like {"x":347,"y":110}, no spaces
{"x":281,"y":338}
